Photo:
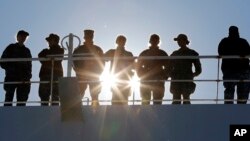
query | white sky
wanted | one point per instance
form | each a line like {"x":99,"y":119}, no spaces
{"x":205,"y":23}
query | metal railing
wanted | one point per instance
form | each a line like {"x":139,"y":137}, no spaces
{"x":87,"y":100}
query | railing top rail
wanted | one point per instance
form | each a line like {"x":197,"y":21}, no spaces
{"x":86,"y":100}
{"x":86,"y":57}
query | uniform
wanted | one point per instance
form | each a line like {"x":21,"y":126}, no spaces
{"x":235,"y":69}
{"x":152,"y":69}
{"x":17,"y":72}
{"x":89,"y":69}
{"x":45,"y":74}
{"x":181,"y":69}
{"x":122,"y":70}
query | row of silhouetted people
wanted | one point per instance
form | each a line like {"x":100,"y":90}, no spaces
{"x":152,"y":72}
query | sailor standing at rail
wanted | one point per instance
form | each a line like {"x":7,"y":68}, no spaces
{"x":181,"y":69}
{"x":237,"y":68}
{"x":152,"y":70}
{"x":89,"y":70}
{"x":19,"y":71}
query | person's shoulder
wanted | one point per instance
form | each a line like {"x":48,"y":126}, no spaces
{"x":193,"y":52}
{"x":128,"y":53}
{"x":109,"y":52}
{"x":144,"y":52}
{"x":26,"y":48}
{"x":60,"y":49}
{"x":243,"y":40}
{"x":175,"y":53}
{"x":97,"y":47}
{"x":43,"y":52}
{"x":225,"y":39}
{"x":163,"y":52}
{"x":81,"y":46}
{"x":77,"y":49}
{"x":12,"y":45}
{"x":27,"y":51}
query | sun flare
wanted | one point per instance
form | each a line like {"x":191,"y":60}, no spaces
{"x":107,"y":79}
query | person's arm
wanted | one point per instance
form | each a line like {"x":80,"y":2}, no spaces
{"x":29,"y":65}
{"x":247,"y":47}
{"x":131,"y":65}
{"x":101,"y":60}
{"x":170,"y":66}
{"x":42,"y":54}
{"x":26,"y":66}
{"x":107,"y":54}
{"x":61,"y":53}
{"x":165,"y":65}
{"x":139,"y":66}
{"x":221,"y":47}
{"x":197,"y":66}
{"x":77,"y":64}
{"x":5,"y":54}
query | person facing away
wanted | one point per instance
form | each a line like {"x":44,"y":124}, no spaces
{"x":235,"y":69}
{"x":181,"y":69}
{"x":152,"y":72}
{"x":19,"y":71}
{"x":89,"y":69}
{"x":122,"y":71}
{"x":53,"y":51}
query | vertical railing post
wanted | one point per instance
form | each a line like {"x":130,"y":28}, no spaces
{"x":133,"y":96}
{"x":218,"y":79}
{"x":70,"y":52}
{"x":52,"y":79}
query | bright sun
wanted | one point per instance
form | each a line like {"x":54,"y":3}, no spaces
{"x":108,"y":80}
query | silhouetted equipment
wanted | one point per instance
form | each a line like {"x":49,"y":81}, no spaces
{"x":70,"y":99}
{"x":69,"y":93}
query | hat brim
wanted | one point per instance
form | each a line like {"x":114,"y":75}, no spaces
{"x":23,"y":34}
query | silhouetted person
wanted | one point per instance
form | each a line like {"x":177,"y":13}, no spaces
{"x":235,"y":69}
{"x":153,"y":70}
{"x":19,"y":71}
{"x":181,"y":69}
{"x":89,"y":69}
{"x":122,"y":70}
{"x":46,"y":69}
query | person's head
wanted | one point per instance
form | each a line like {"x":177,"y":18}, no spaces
{"x":53,"y":39}
{"x":154,"y":40}
{"x":21,"y":36}
{"x":88,"y":35}
{"x":121,"y":41}
{"x":182,"y":40}
{"x":234,"y":32}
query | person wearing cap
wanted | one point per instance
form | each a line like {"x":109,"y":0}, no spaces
{"x":19,"y":71}
{"x":181,"y":69}
{"x":152,"y":72}
{"x":88,"y":71}
{"x":122,"y":71}
{"x":235,"y":68}
{"x":53,"y":51}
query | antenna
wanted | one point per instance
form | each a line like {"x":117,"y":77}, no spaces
{"x":70,"y":46}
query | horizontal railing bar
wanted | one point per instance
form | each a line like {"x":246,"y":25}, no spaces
{"x":57,"y":57}
{"x":89,"y":81}
{"x":26,"y":82}
{"x":136,"y":100}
